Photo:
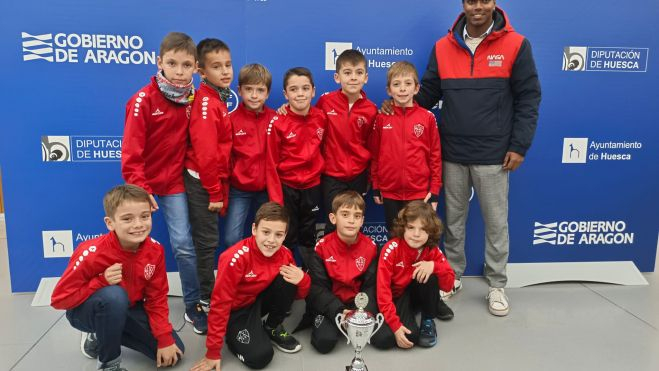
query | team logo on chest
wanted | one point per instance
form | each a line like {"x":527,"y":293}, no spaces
{"x":360,"y":263}
{"x":320,"y":132}
{"x":149,"y":269}
{"x":361,"y":121}
{"x":418,"y":130}
{"x":188,"y":109}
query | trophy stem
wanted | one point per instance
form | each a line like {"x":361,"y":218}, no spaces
{"x":357,"y":362}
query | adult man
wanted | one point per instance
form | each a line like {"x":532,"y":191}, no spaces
{"x":485,"y":74}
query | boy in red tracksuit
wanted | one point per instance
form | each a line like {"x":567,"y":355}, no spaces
{"x":411,"y":271}
{"x":248,"y":156}
{"x":295,"y":162}
{"x":154,"y":144}
{"x":207,"y":158}
{"x":407,"y":162}
{"x":343,"y":265}
{"x":256,"y":276}
{"x":115,"y":286}
{"x":350,"y":117}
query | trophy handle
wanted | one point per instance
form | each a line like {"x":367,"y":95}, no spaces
{"x":379,"y":319}
{"x":337,"y":319}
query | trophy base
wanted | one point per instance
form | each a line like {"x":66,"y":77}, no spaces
{"x":351,"y":368}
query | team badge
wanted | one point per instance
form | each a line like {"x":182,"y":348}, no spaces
{"x":149,"y":269}
{"x":361,"y":121}
{"x":360,"y":262}
{"x":319,"y":320}
{"x":320,"y":132}
{"x":243,"y":336}
{"x":188,"y":109}
{"x":418,"y":130}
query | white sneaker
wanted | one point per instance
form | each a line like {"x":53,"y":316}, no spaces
{"x":497,"y":302}
{"x":457,"y":285}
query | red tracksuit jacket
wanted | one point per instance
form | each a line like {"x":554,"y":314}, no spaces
{"x":242,"y":274}
{"x":248,"y":154}
{"x":144,"y":277}
{"x":345,"y":147}
{"x":395,"y":274}
{"x":154,"y":143}
{"x":210,"y":142}
{"x":293,"y":149}
{"x":407,"y":160}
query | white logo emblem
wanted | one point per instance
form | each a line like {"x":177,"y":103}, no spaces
{"x":360,"y":262}
{"x":545,"y":233}
{"x":243,"y":336}
{"x":240,"y":133}
{"x":250,"y":274}
{"x":149,"y":269}
{"x":316,"y":208}
{"x":291,"y":135}
{"x":331,"y":259}
{"x":575,"y":150}
{"x":332,"y":112}
{"x":55,"y":148}
{"x":58,"y":244}
{"x":320,"y":132}
{"x":332,"y":51}
{"x":37,"y":46}
{"x":157,"y":112}
{"x":574,"y":58}
{"x":400,"y":265}
{"x":418,"y":130}
{"x":388,"y":126}
{"x":319,"y":320}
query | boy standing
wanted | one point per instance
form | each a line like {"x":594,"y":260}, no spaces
{"x":294,"y":159}
{"x":256,"y":276}
{"x":343,"y":265}
{"x":407,"y":162}
{"x":350,"y":117}
{"x":115,"y":286}
{"x":248,"y":157}
{"x":207,"y":159}
{"x":153,"y":151}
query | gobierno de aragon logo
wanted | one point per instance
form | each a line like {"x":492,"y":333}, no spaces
{"x":86,"y":48}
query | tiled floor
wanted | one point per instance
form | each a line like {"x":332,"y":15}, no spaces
{"x":569,"y":326}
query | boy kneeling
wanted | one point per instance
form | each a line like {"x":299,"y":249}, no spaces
{"x":255,"y":277}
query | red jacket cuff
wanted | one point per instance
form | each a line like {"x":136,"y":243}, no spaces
{"x":213,"y":353}
{"x":165,"y":340}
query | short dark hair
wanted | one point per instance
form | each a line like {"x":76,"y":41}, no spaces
{"x":424,"y":212}
{"x":271,"y":211}
{"x":348,"y":199}
{"x":253,"y":74}
{"x":121,"y":193}
{"x":352,"y":56}
{"x":297,"y":71}
{"x":206,"y":46}
{"x":178,"y":41}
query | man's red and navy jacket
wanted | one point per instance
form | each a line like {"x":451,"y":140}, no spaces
{"x":490,"y":97}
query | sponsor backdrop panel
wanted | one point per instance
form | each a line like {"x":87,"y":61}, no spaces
{"x":585,"y":192}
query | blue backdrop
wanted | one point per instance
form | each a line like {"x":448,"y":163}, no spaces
{"x":586,"y":191}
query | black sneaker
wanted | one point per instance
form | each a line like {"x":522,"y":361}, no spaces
{"x":282,"y":339}
{"x":427,"y":333}
{"x":195,"y":314}
{"x":444,"y":313}
{"x":113,"y":366}
{"x":89,"y":345}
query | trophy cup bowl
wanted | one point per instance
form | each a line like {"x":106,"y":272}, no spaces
{"x":360,"y":326}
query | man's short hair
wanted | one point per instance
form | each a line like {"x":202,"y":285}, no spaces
{"x":177,"y":41}
{"x":297,"y":71}
{"x":122,"y":193}
{"x":352,"y":56}
{"x":271,"y":212}
{"x":206,"y":46}
{"x":255,"y":74}
{"x":424,"y":212}
{"x":402,"y":68}
{"x":348,"y":199}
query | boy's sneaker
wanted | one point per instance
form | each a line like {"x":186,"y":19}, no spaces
{"x":427,"y":333}
{"x":89,"y":345}
{"x":457,"y":285}
{"x":282,"y":339}
{"x":195,"y":314}
{"x":205,"y":304}
{"x":115,"y":367}
{"x":497,"y":302}
{"x":444,"y":313}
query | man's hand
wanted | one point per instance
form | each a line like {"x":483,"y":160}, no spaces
{"x":282,"y":110}
{"x":207,"y":365}
{"x":387,"y":107}
{"x":378,"y":200}
{"x":401,"y":339}
{"x":168,"y":356}
{"x":422,"y":271}
{"x":291,"y":273}
{"x":432,"y":204}
{"x":512,"y":161}
{"x":215,"y":207}
{"x":154,"y":204}
{"x":113,"y":274}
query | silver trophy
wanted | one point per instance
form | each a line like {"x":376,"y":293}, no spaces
{"x":360,"y":326}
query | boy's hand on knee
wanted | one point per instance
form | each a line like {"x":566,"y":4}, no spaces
{"x":291,"y":273}
{"x":168,"y":356}
{"x":113,"y":274}
{"x":207,"y":365}
{"x":423,"y":270}
{"x":215,"y":207}
{"x":401,"y":340}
